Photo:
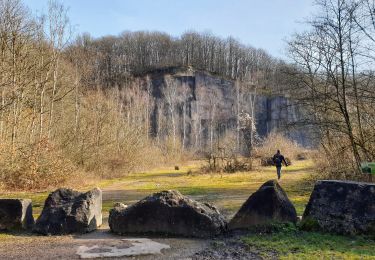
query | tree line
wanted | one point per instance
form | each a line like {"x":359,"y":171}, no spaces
{"x":117,"y":58}
{"x":72,"y":104}
{"x":53,"y":126}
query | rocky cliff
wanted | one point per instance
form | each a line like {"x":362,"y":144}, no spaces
{"x":202,"y":108}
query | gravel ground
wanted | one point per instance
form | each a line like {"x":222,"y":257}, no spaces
{"x":226,"y":250}
{"x":29,"y":246}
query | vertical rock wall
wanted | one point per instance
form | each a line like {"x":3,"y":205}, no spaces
{"x":206,"y":107}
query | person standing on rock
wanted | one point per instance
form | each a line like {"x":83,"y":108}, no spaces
{"x":278,"y":159}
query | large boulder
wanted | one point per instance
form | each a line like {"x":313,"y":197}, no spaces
{"x":342,"y":207}
{"x":67,"y":211}
{"x":16,"y":214}
{"x":168,"y":213}
{"x":268,"y":204}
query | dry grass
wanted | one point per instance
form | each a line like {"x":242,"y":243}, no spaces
{"x":227,"y":191}
{"x":276,"y":141}
{"x":337,"y":163}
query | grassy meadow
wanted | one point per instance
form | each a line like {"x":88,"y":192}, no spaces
{"x":228,"y":192}
{"x":225,"y":190}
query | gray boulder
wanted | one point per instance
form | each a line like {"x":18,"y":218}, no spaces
{"x":268,"y":204}
{"x":16,"y":214}
{"x":167,"y":213}
{"x":67,"y":211}
{"x":342,"y":207}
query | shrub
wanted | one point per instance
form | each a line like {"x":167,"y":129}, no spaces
{"x":277,"y":141}
{"x":223,"y":164}
{"x":36,"y":167}
{"x":335,"y":163}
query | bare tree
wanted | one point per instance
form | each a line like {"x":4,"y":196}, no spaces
{"x":170,"y":93}
{"x":333,"y":78}
{"x":58,"y":38}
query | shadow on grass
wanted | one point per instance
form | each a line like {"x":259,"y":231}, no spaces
{"x":291,"y":243}
{"x":6,"y":234}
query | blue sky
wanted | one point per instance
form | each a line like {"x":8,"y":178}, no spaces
{"x":260,"y":23}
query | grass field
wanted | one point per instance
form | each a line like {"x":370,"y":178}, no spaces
{"x":288,"y":242}
{"x":228,"y":192}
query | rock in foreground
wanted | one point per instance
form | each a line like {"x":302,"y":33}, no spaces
{"x":168,"y":213}
{"x":342,"y":207}
{"x":16,"y":214}
{"x":268,"y":204}
{"x":67,"y":211}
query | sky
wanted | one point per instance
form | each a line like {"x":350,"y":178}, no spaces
{"x":262,"y":24}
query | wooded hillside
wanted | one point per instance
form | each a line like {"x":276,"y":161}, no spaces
{"x":73,"y":104}
{"x":70,"y":104}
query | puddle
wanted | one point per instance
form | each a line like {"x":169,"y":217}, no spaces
{"x":127,"y":247}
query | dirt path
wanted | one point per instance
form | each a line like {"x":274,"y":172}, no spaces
{"x":31,"y":246}
{"x":66,"y":247}
{"x":227,"y":192}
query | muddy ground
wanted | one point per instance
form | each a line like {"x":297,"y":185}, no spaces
{"x":31,"y":246}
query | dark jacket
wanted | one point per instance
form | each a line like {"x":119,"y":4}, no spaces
{"x":278,"y":159}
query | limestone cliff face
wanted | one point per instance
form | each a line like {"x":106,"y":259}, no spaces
{"x":205,"y":107}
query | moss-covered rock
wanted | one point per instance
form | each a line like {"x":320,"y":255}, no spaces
{"x":342,"y":207}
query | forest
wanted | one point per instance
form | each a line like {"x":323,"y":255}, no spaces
{"x":73,"y":105}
